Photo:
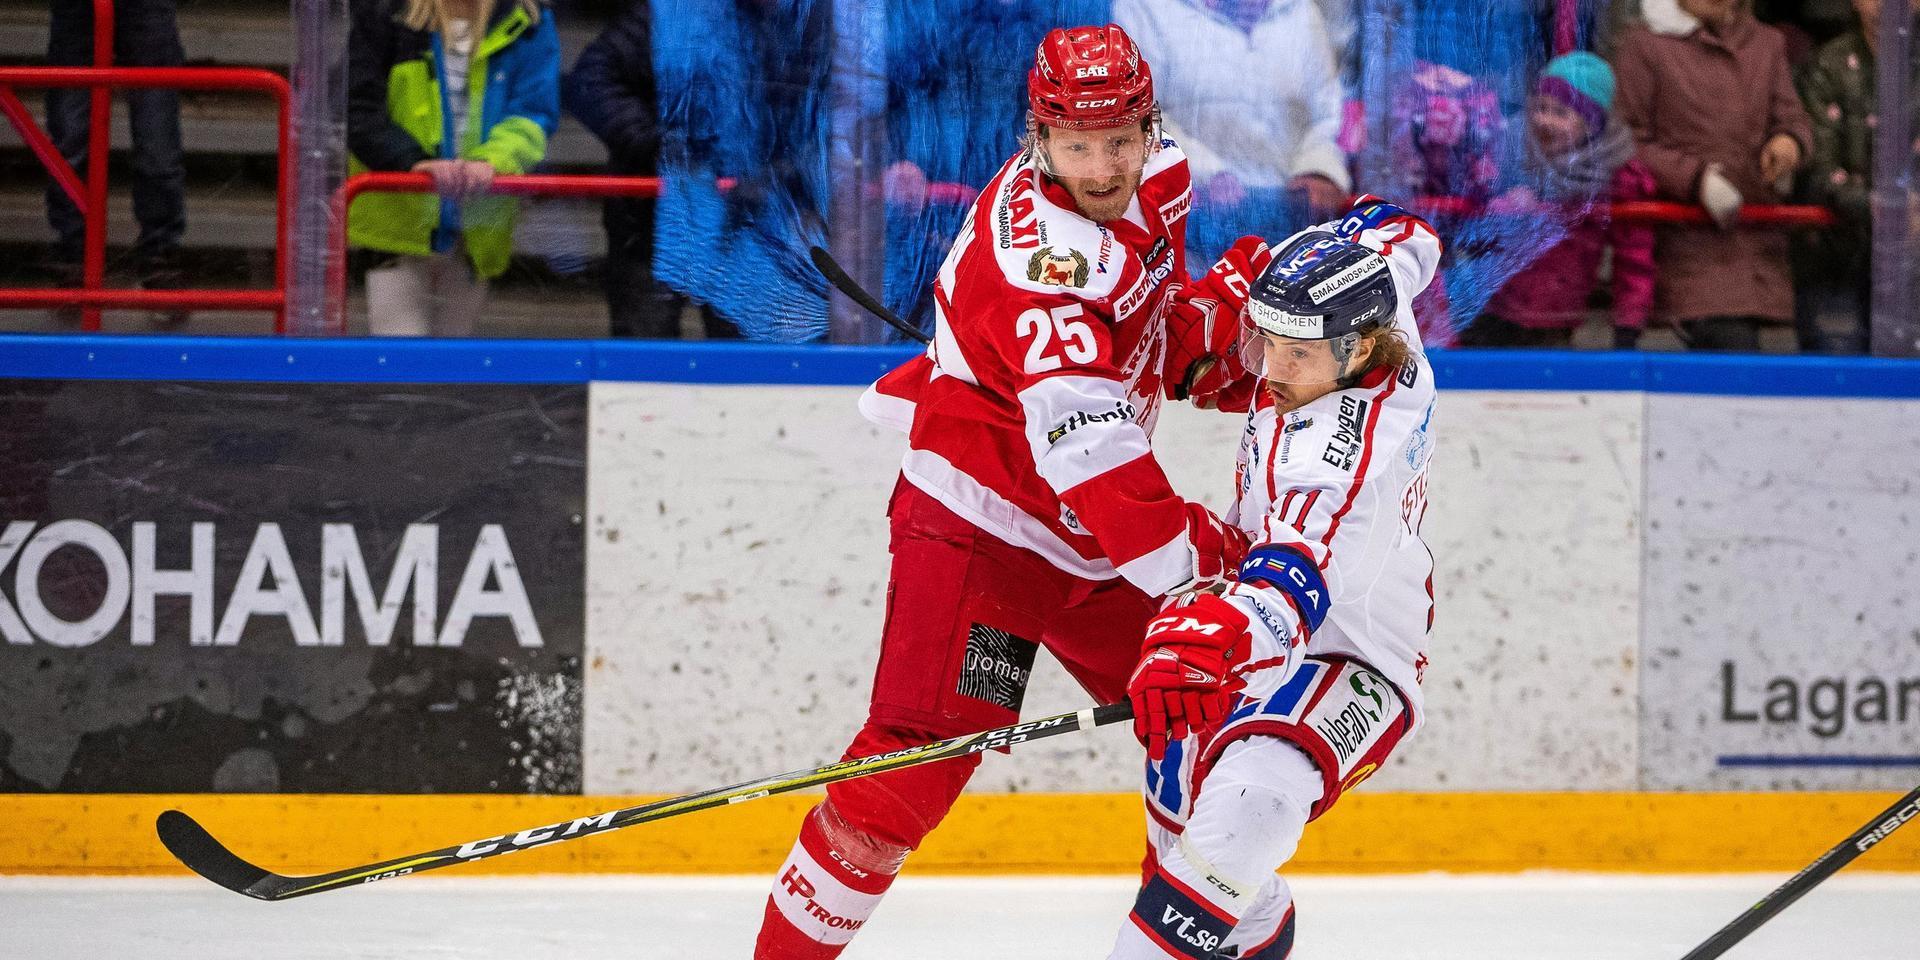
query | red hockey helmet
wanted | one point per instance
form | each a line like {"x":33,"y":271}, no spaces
{"x":1089,"y":77}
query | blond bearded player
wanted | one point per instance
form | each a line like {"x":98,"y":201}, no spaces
{"x":1030,"y":511}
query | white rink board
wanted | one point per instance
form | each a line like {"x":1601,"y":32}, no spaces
{"x":737,"y":565}
{"x":1783,"y":553}
{"x":1854,"y":916}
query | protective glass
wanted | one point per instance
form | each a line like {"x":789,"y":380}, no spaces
{"x":1094,"y":156}
{"x":1281,"y":359}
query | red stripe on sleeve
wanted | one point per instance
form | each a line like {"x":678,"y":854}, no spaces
{"x":1359,"y":471}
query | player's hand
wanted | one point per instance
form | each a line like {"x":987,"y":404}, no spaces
{"x":1231,"y":277}
{"x":1218,"y":548}
{"x":1203,"y":326}
{"x":1184,"y":680}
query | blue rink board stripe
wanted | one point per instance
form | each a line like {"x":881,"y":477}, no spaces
{"x":1818,"y":760}
{"x":395,"y":360}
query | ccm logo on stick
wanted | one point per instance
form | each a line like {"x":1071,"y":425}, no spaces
{"x":533,"y":837}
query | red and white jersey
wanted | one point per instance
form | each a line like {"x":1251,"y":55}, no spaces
{"x":1344,"y":479}
{"x":1030,"y":413}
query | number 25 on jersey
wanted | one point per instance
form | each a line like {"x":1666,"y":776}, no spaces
{"x":1054,"y":332}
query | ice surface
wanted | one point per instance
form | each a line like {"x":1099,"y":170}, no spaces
{"x":1533,"y":916}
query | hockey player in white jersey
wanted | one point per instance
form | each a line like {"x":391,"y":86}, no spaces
{"x":1261,"y":705}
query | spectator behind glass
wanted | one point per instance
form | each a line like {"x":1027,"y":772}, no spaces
{"x":1251,"y":91}
{"x":1581,"y":160}
{"x":1707,"y":91}
{"x":611,"y":92}
{"x":462,"y":90}
{"x":1446,"y":128}
{"x":1839,"y":90}
{"x":949,"y":121}
{"x":145,"y":34}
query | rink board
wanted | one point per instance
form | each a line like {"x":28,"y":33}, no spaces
{"x":1614,"y":623}
{"x":986,"y":833}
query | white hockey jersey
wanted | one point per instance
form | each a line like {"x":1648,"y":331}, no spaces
{"x":1343,"y":479}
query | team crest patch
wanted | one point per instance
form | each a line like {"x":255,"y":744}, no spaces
{"x":997,"y":666}
{"x":1049,"y":266}
{"x":1294,"y":425}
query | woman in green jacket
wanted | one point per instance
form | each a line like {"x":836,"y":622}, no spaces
{"x":462,"y":90}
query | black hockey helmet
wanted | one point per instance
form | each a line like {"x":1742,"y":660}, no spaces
{"x":1320,"y":287}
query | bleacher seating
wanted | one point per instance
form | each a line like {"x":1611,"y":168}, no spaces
{"x":229,"y":140}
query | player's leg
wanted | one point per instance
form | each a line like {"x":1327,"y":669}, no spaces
{"x":953,"y":659}
{"x":1096,"y":635}
{"x":1214,"y":885}
{"x":1283,"y":758}
{"x":1266,"y":932}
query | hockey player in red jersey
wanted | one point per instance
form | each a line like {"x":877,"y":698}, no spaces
{"x":1030,"y":511}
{"x":1260,"y":705}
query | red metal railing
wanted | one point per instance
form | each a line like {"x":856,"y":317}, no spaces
{"x":1659,"y":212}
{"x":1777,"y":216}
{"x":524,"y":185}
{"x":90,"y":196}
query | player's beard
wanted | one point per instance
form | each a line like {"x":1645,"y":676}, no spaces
{"x":1103,"y":199}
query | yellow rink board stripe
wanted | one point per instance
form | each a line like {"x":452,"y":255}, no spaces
{"x":987,"y":833}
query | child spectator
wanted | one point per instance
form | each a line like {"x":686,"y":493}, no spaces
{"x":1579,"y":159}
{"x":1707,"y":91}
{"x":1447,"y":126}
{"x":463,"y":90}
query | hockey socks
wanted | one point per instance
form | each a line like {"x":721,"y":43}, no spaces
{"x":831,"y":883}
{"x":1212,"y":891}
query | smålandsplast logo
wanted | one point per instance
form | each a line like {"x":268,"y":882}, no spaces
{"x":268,"y":585}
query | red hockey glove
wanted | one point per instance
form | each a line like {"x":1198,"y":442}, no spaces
{"x":1218,"y":548}
{"x":1184,"y":681}
{"x":1203,"y":325}
{"x":1231,"y":276}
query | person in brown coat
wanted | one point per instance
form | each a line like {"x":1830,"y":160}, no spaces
{"x":1710,"y":97}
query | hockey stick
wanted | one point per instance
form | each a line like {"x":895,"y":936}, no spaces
{"x":1876,"y":830}
{"x":195,"y":847}
{"x":842,"y":281}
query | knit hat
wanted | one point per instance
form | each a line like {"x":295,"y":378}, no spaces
{"x":1584,"y":83}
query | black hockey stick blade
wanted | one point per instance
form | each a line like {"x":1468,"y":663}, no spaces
{"x":200,"y":852}
{"x":843,"y":282}
{"x":191,"y":844}
{"x":1879,"y":828}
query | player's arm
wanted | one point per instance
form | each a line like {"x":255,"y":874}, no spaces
{"x":1203,"y":362}
{"x":1087,"y":446}
{"x":1411,"y":246}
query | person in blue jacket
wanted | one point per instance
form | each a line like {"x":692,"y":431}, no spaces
{"x":463,"y":90}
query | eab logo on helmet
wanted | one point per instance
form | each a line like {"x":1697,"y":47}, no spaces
{"x":1085,"y":72}
{"x":1282,"y":323}
{"x":1324,"y":290}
